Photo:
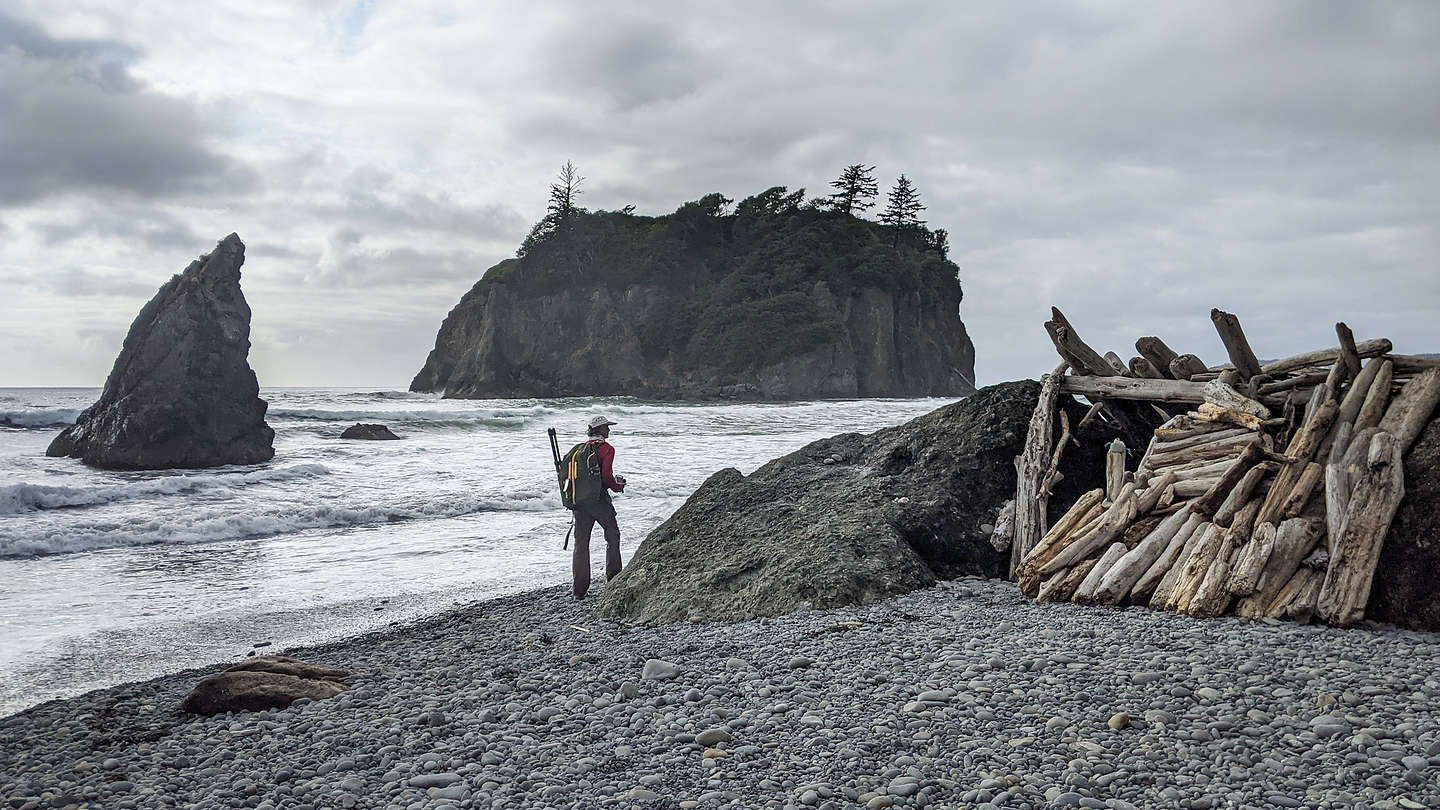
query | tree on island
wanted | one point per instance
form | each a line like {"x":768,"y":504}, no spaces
{"x":563,"y":193}
{"x":856,"y":189}
{"x":559,"y":212}
{"x":939,"y":241}
{"x":902,"y":209}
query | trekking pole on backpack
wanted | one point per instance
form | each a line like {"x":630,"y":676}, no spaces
{"x":555,"y":451}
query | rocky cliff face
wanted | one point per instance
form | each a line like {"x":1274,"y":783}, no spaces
{"x":181,"y":393}
{"x":591,"y":341}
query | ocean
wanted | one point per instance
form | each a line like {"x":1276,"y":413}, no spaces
{"x":108,"y":577}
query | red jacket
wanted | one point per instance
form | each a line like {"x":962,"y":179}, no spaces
{"x":607,"y":465}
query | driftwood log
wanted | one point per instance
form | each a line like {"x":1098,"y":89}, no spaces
{"x":1245,"y":576}
{"x":1085,"y":514}
{"x":1063,"y":583}
{"x":1073,"y":350}
{"x":1114,"y":468}
{"x":1122,"y":576}
{"x":1085,"y":593}
{"x":1410,"y":411}
{"x":1154,"y":576}
{"x":1373,"y":409}
{"x":1142,"y":367}
{"x":1211,"y":599}
{"x":1241,"y":355}
{"x":1356,"y":552}
{"x":1294,"y":539}
{"x":1030,"y":467}
{"x":1241,"y":493}
{"x":1154,"y":350}
{"x":1325,"y":357}
{"x":1209,"y":503}
{"x":1187,"y":367}
{"x":1111,"y":525}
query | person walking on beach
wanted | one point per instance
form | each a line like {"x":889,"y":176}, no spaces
{"x":598,"y":510}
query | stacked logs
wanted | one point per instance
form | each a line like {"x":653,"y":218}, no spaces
{"x":1271,"y":497}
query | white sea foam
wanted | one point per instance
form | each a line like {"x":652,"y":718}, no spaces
{"x":490,"y":417}
{"x":38,"y":418}
{"x":18,"y":498}
{"x":210,"y":525}
{"x":402,"y":395}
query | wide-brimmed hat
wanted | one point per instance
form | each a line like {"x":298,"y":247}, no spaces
{"x":599,"y":422}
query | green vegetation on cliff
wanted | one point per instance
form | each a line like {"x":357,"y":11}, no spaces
{"x":746,"y":276}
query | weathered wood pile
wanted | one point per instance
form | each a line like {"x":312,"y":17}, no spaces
{"x":1271,"y":497}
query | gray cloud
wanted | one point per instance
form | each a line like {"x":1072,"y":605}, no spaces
{"x":632,"y":61}
{"x":372,"y":198}
{"x":139,"y":225}
{"x":351,"y":260}
{"x":77,"y":121}
{"x":1134,"y":163}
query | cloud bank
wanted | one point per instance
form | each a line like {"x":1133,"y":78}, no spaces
{"x":1133,"y":163}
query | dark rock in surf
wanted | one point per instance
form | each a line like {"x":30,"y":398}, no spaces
{"x":181,"y":393}
{"x":851,"y":519}
{"x":266,"y":682}
{"x":360,"y":430}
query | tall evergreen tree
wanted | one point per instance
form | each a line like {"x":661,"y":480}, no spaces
{"x":902,"y":209}
{"x":560,"y":209}
{"x":855,"y":190}
{"x":563,"y":193}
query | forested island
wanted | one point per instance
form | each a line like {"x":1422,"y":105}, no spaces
{"x":776,"y":297}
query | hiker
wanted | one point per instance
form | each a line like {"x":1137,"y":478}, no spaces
{"x":599,"y":510}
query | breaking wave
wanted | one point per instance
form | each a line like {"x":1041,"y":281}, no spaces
{"x":39,"y":418}
{"x":495,"y":417}
{"x":18,"y":498}
{"x":220,"y":524}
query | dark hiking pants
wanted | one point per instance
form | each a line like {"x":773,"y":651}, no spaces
{"x":585,"y":519}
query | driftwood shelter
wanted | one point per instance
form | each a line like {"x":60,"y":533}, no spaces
{"x":1267,"y":491}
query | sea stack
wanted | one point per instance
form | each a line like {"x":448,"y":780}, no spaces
{"x":775,"y":301}
{"x":182,"y":393}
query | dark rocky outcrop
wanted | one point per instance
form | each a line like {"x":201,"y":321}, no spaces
{"x":181,"y":393}
{"x":760,"y":304}
{"x":360,"y":430}
{"x":846,"y":520}
{"x":267,"y":682}
{"x":1406,"y":590}
{"x":500,"y":342}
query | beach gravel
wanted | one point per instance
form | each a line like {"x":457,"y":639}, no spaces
{"x":961,"y":695}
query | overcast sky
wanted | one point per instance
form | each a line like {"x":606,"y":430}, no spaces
{"x":1133,"y":163}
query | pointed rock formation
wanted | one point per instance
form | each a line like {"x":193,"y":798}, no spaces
{"x":182,"y":393}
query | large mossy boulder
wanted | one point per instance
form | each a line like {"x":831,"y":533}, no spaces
{"x":851,"y":519}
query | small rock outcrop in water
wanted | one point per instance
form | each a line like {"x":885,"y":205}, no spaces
{"x":181,"y":393}
{"x":773,"y":301}
{"x":1406,"y":589}
{"x":846,"y":520}
{"x":268,"y":682}
{"x":361,"y":430}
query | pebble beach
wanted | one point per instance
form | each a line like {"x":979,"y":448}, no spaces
{"x":962,"y":695}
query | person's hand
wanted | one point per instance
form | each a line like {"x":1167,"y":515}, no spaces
{"x":620,"y":479}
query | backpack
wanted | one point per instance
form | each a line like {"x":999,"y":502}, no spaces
{"x":580,"y":482}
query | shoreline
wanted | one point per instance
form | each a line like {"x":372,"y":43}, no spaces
{"x":961,"y":694}
{"x":393,"y":628}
